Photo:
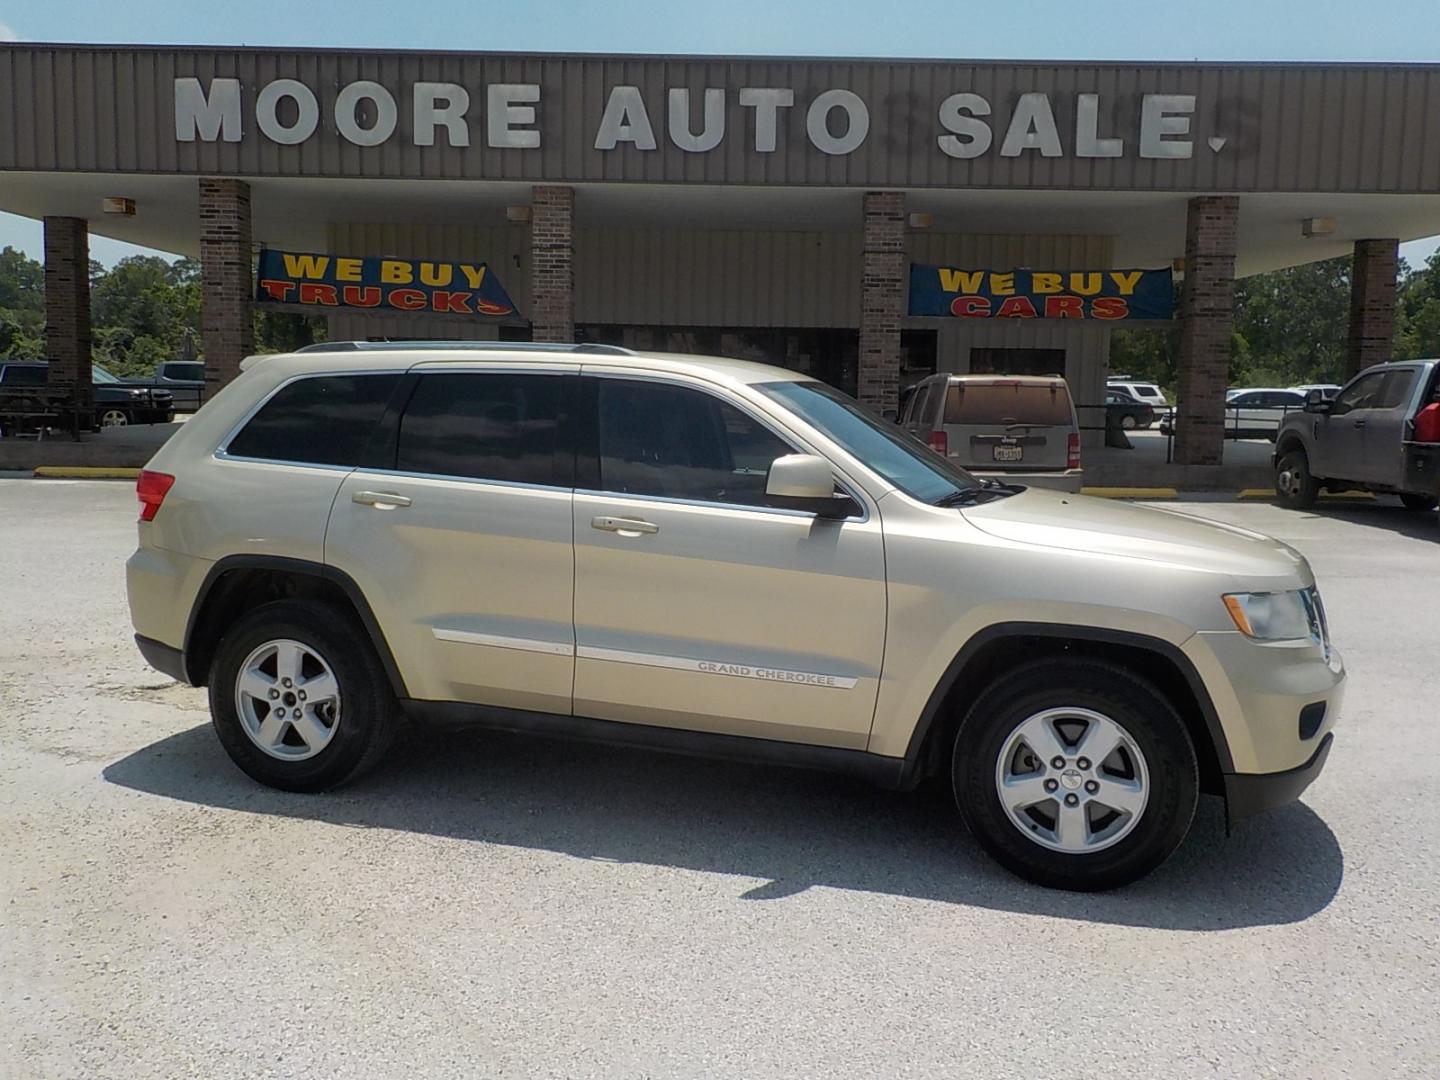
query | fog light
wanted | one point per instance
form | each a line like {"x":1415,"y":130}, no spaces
{"x":1311,"y":717}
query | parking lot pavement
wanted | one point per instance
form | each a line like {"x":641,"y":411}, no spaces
{"x":501,"y":906}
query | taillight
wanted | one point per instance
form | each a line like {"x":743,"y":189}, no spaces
{"x":940,"y":442}
{"x":150,"y":489}
{"x":1072,"y":457}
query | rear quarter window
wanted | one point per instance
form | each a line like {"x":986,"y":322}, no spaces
{"x":1005,"y":402}
{"x":317,"y":420}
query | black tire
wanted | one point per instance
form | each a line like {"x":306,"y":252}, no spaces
{"x":1294,"y":486}
{"x":369,"y":717}
{"x":1118,"y":694}
{"x":1419,"y":503}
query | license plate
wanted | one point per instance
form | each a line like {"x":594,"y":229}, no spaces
{"x":1009,"y":453}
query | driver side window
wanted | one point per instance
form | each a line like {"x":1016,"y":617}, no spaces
{"x":1360,"y":394}
{"x":678,"y":443}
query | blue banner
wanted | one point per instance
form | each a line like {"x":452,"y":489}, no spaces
{"x":311,"y":280}
{"x":1040,"y":294}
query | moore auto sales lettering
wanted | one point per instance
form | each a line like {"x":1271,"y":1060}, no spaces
{"x":507,"y":116}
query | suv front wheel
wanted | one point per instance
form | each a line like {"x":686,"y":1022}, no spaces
{"x":1075,"y":774}
{"x":298,"y":697}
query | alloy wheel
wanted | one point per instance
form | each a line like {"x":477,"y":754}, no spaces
{"x":1072,"y":780}
{"x":288,"y":700}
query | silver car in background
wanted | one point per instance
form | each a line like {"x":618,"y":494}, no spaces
{"x":1018,"y":428}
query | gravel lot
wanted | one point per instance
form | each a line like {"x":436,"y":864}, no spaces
{"x":498,"y":906}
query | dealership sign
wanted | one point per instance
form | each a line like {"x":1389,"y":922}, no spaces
{"x":508,"y":117}
{"x":458,"y":288}
{"x":1040,"y":294}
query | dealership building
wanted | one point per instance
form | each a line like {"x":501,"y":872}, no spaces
{"x":867,"y":221}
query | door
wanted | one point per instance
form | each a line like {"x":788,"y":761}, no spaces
{"x":1385,"y":429}
{"x":697,"y":604}
{"x":1340,"y":434}
{"x":461,"y":538}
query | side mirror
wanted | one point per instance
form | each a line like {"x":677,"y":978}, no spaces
{"x":806,"y":482}
{"x":1315,"y":402}
{"x":892,"y":415}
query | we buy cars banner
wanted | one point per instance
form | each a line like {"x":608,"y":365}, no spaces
{"x":313,"y":280}
{"x":1040,"y":294}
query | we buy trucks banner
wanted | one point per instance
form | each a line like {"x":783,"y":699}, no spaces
{"x":1040,"y":294}
{"x":312,"y":280}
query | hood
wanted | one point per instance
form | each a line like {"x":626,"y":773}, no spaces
{"x":1106,"y":527}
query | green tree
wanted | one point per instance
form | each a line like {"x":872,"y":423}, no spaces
{"x":1290,"y":327}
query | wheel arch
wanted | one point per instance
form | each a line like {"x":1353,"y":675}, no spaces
{"x":237,"y":583}
{"x":998,"y":648}
{"x":1290,"y":440}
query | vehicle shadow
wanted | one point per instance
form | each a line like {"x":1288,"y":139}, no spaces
{"x":1383,"y":515}
{"x":792,"y":829}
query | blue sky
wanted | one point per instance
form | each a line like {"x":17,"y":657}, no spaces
{"x":1392,"y":30}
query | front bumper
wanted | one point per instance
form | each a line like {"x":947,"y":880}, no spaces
{"x":1248,"y":794}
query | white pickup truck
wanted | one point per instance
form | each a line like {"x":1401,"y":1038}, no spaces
{"x":1364,"y":438}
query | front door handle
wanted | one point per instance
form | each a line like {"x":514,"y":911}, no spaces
{"x":381,"y":500}
{"x":624,"y":526}
{"x":1359,"y":423}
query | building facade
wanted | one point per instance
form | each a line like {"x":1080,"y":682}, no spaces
{"x":768,"y":208}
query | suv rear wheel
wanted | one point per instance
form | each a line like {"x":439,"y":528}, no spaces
{"x":298,"y":697}
{"x":1075,"y":775}
{"x":1294,"y":486}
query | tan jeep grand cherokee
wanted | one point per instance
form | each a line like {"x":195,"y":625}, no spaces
{"x":716,"y":557}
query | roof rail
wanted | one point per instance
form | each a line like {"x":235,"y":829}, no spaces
{"x":498,"y":346}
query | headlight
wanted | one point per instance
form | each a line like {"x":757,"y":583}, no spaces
{"x":1279,"y":616}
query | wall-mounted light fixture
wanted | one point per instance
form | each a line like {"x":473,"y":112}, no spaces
{"x":116,"y":204}
{"x":920,"y":220}
{"x":517,"y":215}
{"x":1317,"y":226}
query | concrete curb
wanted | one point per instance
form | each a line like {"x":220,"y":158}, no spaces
{"x":1244,"y":495}
{"x":85,"y":472}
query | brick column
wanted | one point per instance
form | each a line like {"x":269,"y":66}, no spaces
{"x":883,"y":283}
{"x":1207,"y":316}
{"x":227,"y":327}
{"x":552,"y":264}
{"x":1372,"y":303}
{"x":67,"y":308}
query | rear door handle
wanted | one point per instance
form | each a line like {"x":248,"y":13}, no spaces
{"x":381,"y":500}
{"x":1359,"y":423}
{"x":624,"y":526}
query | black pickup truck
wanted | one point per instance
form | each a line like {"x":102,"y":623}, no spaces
{"x":27,"y":403}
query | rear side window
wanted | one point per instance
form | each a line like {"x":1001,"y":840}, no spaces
{"x":1006,"y":402}
{"x":184,"y":370}
{"x":24,"y":376}
{"x":497,"y":426}
{"x":320,"y":420}
{"x":1146,"y":391}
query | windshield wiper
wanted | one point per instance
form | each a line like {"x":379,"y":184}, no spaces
{"x":984,"y":492}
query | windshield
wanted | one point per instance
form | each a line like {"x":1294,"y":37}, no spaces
{"x":908,"y":464}
{"x":185,"y":370}
{"x":100,"y":375}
